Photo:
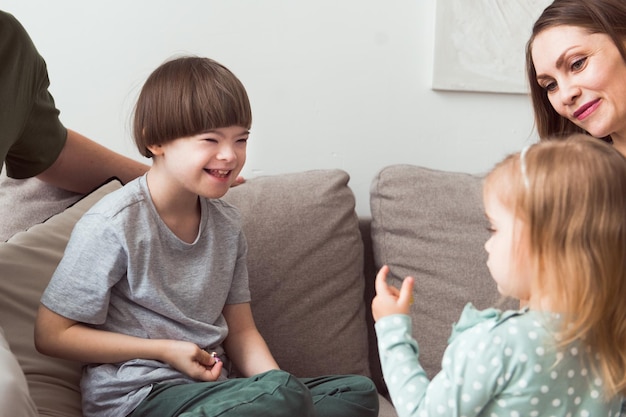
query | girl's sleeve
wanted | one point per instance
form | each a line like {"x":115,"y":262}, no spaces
{"x":466,"y":383}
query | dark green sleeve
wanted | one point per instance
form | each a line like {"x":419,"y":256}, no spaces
{"x":31,"y":134}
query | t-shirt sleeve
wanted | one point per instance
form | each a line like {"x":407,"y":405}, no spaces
{"x":32,"y":135}
{"x":94,"y":261}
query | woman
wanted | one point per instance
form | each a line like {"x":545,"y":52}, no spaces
{"x":576,"y":65}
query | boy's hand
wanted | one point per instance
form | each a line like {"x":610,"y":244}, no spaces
{"x":194,"y":362}
{"x":388,"y":299}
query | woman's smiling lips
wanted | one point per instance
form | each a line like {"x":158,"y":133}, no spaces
{"x":586,"y":109}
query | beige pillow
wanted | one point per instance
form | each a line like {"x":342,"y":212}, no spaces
{"x":430,"y":224}
{"x":27,"y":262}
{"x":306,"y":270}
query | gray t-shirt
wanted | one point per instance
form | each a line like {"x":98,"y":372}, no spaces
{"x":125,"y":271}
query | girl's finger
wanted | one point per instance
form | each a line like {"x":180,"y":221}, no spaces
{"x":406,"y":292}
{"x":381,"y":280}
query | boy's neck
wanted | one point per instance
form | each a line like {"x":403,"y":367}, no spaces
{"x":180,"y":211}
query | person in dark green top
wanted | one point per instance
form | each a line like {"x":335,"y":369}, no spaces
{"x":34,"y":143}
{"x":558,"y":238}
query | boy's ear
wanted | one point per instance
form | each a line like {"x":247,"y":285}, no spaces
{"x":155,"y":149}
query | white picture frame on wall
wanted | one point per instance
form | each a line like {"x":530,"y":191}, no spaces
{"x":480,"y":44}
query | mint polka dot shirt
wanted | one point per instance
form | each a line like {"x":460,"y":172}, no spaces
{"x":497,"y":364}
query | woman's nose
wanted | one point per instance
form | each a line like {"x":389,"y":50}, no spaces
{"x":569,"y":93}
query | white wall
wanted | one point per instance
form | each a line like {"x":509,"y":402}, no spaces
{"x":333,"y":83}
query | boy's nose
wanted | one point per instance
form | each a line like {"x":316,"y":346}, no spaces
{"x":226,"y":153}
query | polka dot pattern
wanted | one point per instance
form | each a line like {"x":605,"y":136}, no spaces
{"x":498,"y":364}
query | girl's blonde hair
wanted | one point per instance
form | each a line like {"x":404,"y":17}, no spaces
{"x":571,"y":197}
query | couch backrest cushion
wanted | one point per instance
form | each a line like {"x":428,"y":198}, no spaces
{"x":430,"y":224}
{"x":306,"y":262}
{"x":27,"y":261}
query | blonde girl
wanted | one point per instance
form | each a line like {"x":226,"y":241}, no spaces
{"x":557,"y":214}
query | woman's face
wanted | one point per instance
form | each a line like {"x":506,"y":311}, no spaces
{"x":584,"y":76}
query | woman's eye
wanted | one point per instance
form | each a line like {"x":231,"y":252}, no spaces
{"x":491,"y":229}
{"x":578,"y":64}
{"x":549,"y":87}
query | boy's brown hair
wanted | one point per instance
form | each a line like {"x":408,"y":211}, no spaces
{"x":187,"y":96}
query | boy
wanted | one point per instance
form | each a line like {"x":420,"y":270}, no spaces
{"x":153,"y":288}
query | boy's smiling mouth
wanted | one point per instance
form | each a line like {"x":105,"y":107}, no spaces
{"x":220,"y":173}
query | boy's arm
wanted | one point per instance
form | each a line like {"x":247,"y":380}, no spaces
{"x":244,"y":345}
{"x":61,"y":337}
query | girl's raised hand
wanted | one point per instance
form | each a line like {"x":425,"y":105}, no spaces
{"x":389,"y":300}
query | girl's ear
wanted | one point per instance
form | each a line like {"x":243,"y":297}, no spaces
{"x":155,"y":149}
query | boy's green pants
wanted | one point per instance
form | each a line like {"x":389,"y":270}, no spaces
{"x":270,"y":394}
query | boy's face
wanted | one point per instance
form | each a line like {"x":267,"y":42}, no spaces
{"x":206,"y":164}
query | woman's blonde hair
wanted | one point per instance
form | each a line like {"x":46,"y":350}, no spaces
{"x":187,"y":96}
{"x":571,"y":196}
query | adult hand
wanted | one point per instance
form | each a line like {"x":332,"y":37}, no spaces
{"x":194,"y":362}
{"x":389,"y":300}
{"x":238,"y":181}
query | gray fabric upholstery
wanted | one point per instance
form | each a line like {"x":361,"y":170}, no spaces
{"x":430,"y":224}
{"x":305,"y":262}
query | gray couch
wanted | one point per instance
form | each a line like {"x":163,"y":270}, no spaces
{"x":312,"y":263}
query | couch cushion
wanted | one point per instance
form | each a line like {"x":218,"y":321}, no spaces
{"x":305,"y":262}
{"x":430,"y":224}
{"x":27,"y":262}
